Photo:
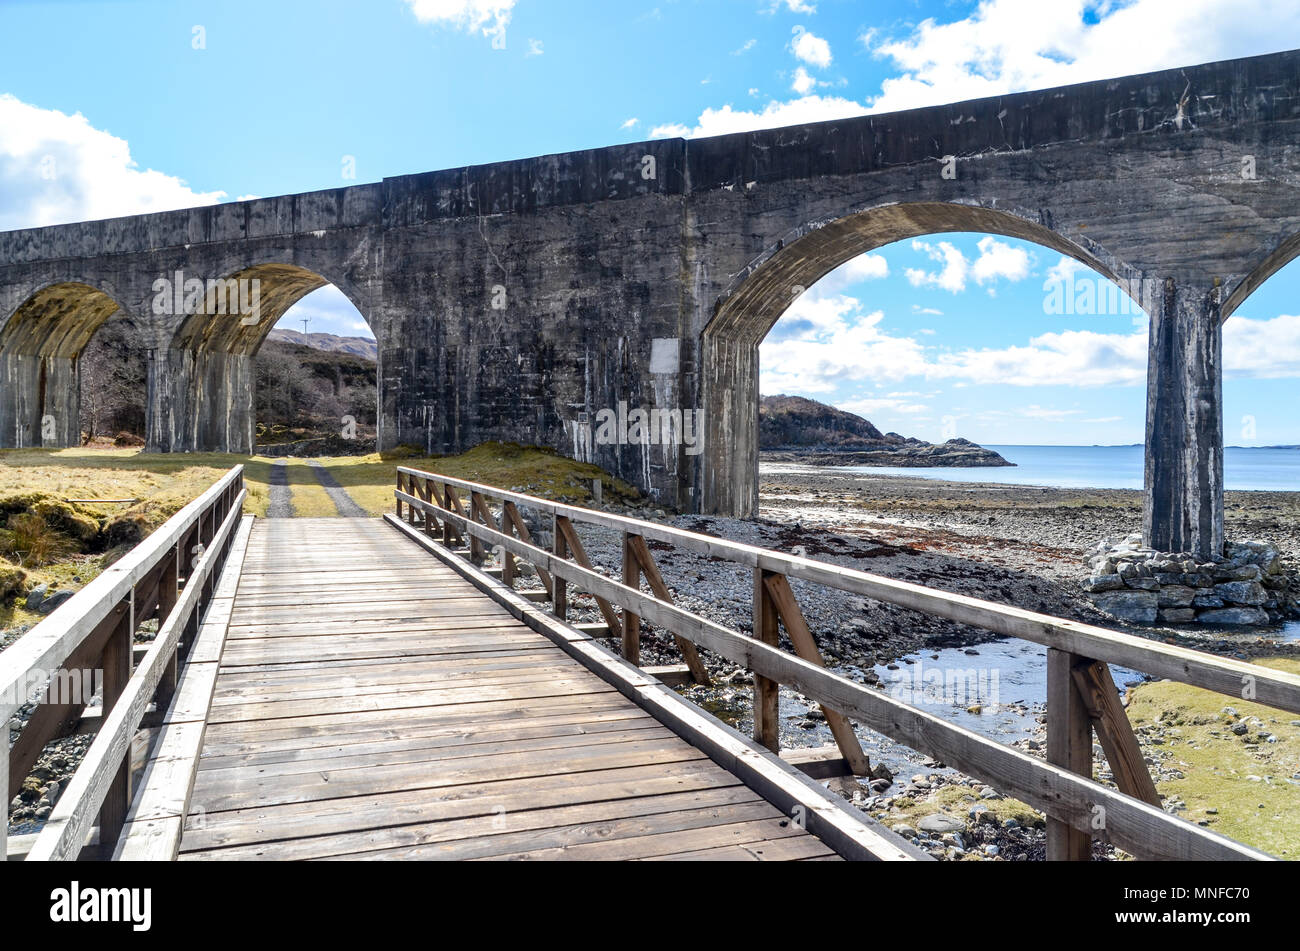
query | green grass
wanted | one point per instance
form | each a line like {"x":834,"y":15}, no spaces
{"x":1216,"y":763}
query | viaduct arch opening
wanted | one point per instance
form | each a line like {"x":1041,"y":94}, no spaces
{"x":212,"y":359}
{"x":749,"y":309}
{"x":41,"y":347}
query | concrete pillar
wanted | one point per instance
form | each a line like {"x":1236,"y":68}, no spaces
{"x":39,"y":401}
{"x":728,"y":470}
{"x":200,"y":401}
{"x":1183,"y":510}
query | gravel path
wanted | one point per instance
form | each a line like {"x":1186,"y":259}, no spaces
{"x":280,"y":506}
{"x":338,"y":495}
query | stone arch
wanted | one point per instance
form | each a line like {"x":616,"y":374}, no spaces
{"x":209,"y":371}
{"x":40,"y":345}
{"x":749,"y":307}
{"x":1285,"y":252}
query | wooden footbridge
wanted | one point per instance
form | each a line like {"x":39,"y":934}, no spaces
{"x":373,"y":689}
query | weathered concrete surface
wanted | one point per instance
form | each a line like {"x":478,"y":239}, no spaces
{"x":523,"y":300}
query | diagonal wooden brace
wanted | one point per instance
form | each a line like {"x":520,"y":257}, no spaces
{"x":796,"y":626}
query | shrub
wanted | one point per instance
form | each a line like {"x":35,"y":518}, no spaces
{"x":404,"y":451}
{"x":129,"y":528}
{"x":128,"y":441}
{"x":33,"y":540}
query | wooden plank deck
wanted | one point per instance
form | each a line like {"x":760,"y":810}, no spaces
{"x":372,"y":704}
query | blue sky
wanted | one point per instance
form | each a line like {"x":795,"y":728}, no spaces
{"x":140,"y":106}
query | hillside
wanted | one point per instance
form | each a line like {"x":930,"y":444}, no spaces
{"x":359,"y":347}
{"x":796,"y":427}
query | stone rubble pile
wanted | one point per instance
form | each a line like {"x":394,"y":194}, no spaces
{"x":1250,"y":586}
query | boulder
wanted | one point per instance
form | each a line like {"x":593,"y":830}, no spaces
{"x":1178,"y":615}
{"x":1249,"y":593}
{"x":1176,"y":596}
{"x":36,"y":596}
{"x":53,"y":601}
{"x":941,"y":823}
{"x":1140,"y":607}
{"x":1099,"y":583}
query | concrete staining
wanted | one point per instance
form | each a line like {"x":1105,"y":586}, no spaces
{"x":518,"y":300}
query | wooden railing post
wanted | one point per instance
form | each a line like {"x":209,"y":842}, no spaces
{"x":507,"y":559}
{"x":476,"y":554}
{"x":4,"y":790}
{"x":425,"y":490}
{"x":631,"y":621}
{"x":168,"y":593}
{"x":116,"y":664}
{"x":1069,"y":745}
{"x":400,"y":488}
{"x":445,"y":505}
{"x":767,"y":727}
{"x":559,"y":587}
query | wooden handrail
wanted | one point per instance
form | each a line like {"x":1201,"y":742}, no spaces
{"x":1062,"y":788}
{"x":1221,"y":674}
{"x":51,"y":642}
{"x":95,"y":629}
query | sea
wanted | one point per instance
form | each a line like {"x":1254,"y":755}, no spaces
{"x":1111,"y":467}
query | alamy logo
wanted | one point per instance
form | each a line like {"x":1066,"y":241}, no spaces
{"x":1087,"y":295}
{"x":922,"y":685}
{"x":649,"y":427}
{"x":232,"y":295}
{"x":102,"y":905}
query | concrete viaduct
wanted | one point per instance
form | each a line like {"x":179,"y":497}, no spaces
{"x":525,"y":300}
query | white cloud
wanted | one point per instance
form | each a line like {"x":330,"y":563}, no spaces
{"x":1015,"y":45}
{"x":996,"y":260}
{"x":866,"y":407}
{"x":810,"y":48}
{"x":1262,"y":349}
{"x":726,"y":120}
{"x":535,"y":48}
{"x":1066,"y":358}
{"x":794,"y":6}
{"x":803,"y":82}
{"x":1000,"y":260}
{"x":57,"y":168}
{"x":630,"y":123}
{"x":749,"y":45}
{"x":491,"y":17}
{"x":864,"y":267}
{"x":951,"y":278}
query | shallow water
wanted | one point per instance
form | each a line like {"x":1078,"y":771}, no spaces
{"x":1005,"y":680}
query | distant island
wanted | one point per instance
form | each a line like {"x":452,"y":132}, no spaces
{"x":797,"y":429}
